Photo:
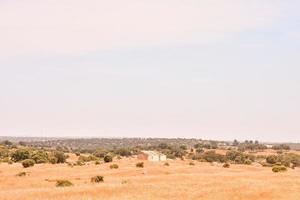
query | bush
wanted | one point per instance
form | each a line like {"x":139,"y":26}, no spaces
{"x":247,"y":162}
{"x":123,"y":152}
{"x":97,"y":179}
{"x":212,"y":156}
{"x":21,"y":174}
{"x":4,"y":153}
{"x":226,"y":165}
{"x":40,"y":157}
{"x":108,"y":158}
{"x":289,"y":159}
{"x":60,"y":157}
{"x":100,"y":153}
{"x":272,"y":159}
{"x":192,"y":163}
{"x":279,"y":168}
{"x":63,"y":183}
{"x":87,"y":158}
{"x":114,"y":166}
{"x":20,"y":154}
{"x":166,"y":164}
{"x":97,"y":162}
{"x":199,"y":150}
{"x":140,"y":164}
{"x":28,"y":163}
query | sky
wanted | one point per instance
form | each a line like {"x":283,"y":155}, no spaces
{"x":211,"y":69}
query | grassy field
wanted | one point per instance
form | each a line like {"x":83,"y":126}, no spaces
{"x":155,"y":181}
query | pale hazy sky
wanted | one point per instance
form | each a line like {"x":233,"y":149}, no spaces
{"x":216,"y":69}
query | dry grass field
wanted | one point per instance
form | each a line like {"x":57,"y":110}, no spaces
{"x":155,"y":181}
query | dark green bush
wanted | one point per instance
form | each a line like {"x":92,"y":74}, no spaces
{"x":247,"y":162}
{"x":60,"y":156}
{"x":20,"y":154}
{"x":140,"y":164}
{"x":28,"y":163}
{"x":272,"y":159}
{"x":100,"y":153}
{"x":114,"y":166}
{"x":97,"y":179}
{"x":108,"y":158}
{"x":40,"y":157}
{"x":87,"y":158}
{"x":123,"y":152}
{"x":97,"y":162}
{"x":4,"y":153}
{"x":226,"y":165}
{"x":279,"y":168}
{"x":212,"y":156}
{"x":63,"y":183}
{"x":199,"y":150}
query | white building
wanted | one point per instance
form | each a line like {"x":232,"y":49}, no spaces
{"x":152,"y":156}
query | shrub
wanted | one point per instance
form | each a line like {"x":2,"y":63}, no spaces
{"x":226,"y":165}
{"x":108,"y":158}
{"x":279,"y":168}
{"x":97,"y":179}
{"x":272,"y":159}
{"x":4,"y":153}
{"x":114,"y":166}
{"x":21,"y":174}
{"x":87,"y":158}
{"x":100,"y":153}
{"x":199,"y":150}
{"x":97,"y":162}
{"x":289,"y":159}
{"x":212,"y":156}
{"x":191,"y":163}
{"x":28,"y":163}
{"x":20,"y":154}
{"x":40,"y":156}
{"x":247,"y":162}
{"x":166,"y":164}
{"x":183,"y":147}
{"x":140,"y":164}
{"x":52,"y":159}
{"x":124,"y":152}
{"x":281,"y":147}
{"x":236,"y":156}
{"x":60,"y":157}
{"x":63,"y":183}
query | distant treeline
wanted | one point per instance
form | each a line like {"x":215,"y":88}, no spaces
{"x":110,"y":143}
{"x":90,"y":150}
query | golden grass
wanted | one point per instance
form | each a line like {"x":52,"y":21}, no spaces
{"x":154,"y":181}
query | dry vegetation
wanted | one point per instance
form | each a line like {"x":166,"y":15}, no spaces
{"x":154,"y":181}
{"x":205,"y":170}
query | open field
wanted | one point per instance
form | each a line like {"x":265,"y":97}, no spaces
{"x":154,"y":181}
